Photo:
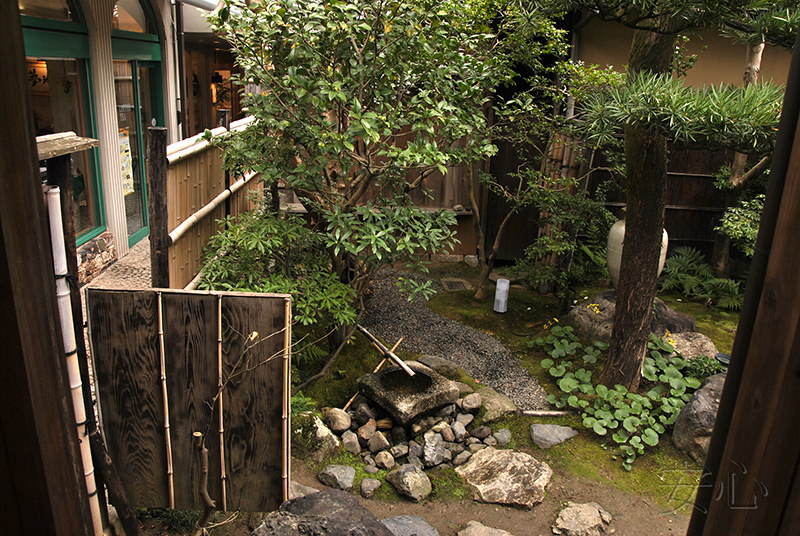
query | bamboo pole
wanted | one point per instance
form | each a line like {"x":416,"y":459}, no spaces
{"x":168,"y":438}
{"x":71,"y":351}
{"x":287,"y":371}
{"x":192,"y":220}
{"x":197,"y":146}
{"x":385,"y":350}
{"x":223,"y":475}
{"x":352,"y":399}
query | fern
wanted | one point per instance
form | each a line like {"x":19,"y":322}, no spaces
{"x":688,"y":274}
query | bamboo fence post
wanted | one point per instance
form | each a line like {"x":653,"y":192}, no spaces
{"x":287,"y":369}
{"x":223,"y":475}
{"x":170,"y":480}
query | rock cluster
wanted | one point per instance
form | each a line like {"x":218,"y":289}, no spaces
{"x":445,"y":438}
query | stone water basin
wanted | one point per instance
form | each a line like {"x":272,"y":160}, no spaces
{"x":405,"y":397}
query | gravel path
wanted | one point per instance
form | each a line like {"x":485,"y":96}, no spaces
{"x":390,"y":316}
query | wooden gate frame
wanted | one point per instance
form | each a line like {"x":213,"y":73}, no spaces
{"x":159,"y":374}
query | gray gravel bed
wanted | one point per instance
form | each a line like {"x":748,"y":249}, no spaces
{"x":390,"y":316}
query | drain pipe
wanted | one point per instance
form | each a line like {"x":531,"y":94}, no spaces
{"x":71,"y":350}
{"x":385,"y":350}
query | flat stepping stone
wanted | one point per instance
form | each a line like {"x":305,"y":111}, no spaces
{"x":549,"y":435}
{"x":586,"y":519}
{"x":406,"y":525}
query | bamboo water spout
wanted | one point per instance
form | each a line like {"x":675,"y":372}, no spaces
{"x":385,"y":350}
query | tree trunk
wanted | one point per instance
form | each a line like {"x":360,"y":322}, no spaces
{"x":485,"y":263}
{"x":646,"y":161}
{"x":720,"y":258}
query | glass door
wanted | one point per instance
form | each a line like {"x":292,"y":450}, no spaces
{"x":137,"y":86}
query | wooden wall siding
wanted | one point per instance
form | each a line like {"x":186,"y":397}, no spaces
{"x":694,"y":204}
{"x":523,"y":228}
{"x":124,"y":336}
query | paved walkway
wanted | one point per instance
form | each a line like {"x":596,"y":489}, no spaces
{"x":130,"y":272}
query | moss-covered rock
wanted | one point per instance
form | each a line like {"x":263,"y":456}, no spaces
{"x":311,"y":439}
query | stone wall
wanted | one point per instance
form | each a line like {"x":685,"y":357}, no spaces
{"x":95,"y":256}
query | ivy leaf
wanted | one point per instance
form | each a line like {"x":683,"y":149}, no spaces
{"x":568,"y":384}
{"x":599,"y":428}
{"x":650,"y":437}
{"x":631,"y":423}
{"x":621,"y":436}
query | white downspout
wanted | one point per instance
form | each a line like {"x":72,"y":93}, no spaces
{"x":71,"y":350}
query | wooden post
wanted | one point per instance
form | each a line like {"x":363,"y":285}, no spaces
{"x":157,"y":202}
{"x":116,"y":492}
{"x":41,"y":477}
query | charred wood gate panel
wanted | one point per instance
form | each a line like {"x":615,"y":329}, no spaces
{"x":207,"y":339}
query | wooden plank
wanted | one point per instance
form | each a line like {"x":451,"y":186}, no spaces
{"x":62,"y":144}
{"x":124,"y":331}
{"x":253,"y":403}
{"x":762,"y":433}
{"x":190,"y":343}
{"x":42,"y":487}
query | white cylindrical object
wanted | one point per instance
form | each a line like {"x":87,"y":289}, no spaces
{"x":70,"y":348}
{"x":501,"y":296}
{"x":616,"y":239}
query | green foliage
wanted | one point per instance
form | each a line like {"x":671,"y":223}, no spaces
{"x":302,"y":404}
{"x":385,"y":235}
{"x":740,"y":119}
{"x":741,"y":224}
{"x":633,"y":421}
{"x":357,"y":100}
{"x":576,"y":229}
{"x":702,"y":367}
{"x":687,"y":273}
{"x":264,"y":252}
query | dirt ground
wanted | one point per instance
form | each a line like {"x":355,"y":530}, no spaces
{"x":633,"y":515}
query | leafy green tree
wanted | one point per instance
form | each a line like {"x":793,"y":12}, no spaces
{"x":358,"y":100}
{"x":653,"y":108}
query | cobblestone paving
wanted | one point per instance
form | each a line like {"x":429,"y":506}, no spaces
{"x":130,"y":272}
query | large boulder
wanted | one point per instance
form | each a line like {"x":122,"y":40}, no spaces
{"x":593,"y":321}
{"x":329,"y":512}
{"x":311,"y":439}
{"x":694,"y":425}
{"x":506,"y":477}
{"x":410,"y":482}
{"x":690,"y":345}
{"x":582,"y":520}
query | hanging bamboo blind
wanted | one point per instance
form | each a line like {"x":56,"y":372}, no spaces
{"x":159,"y":359}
